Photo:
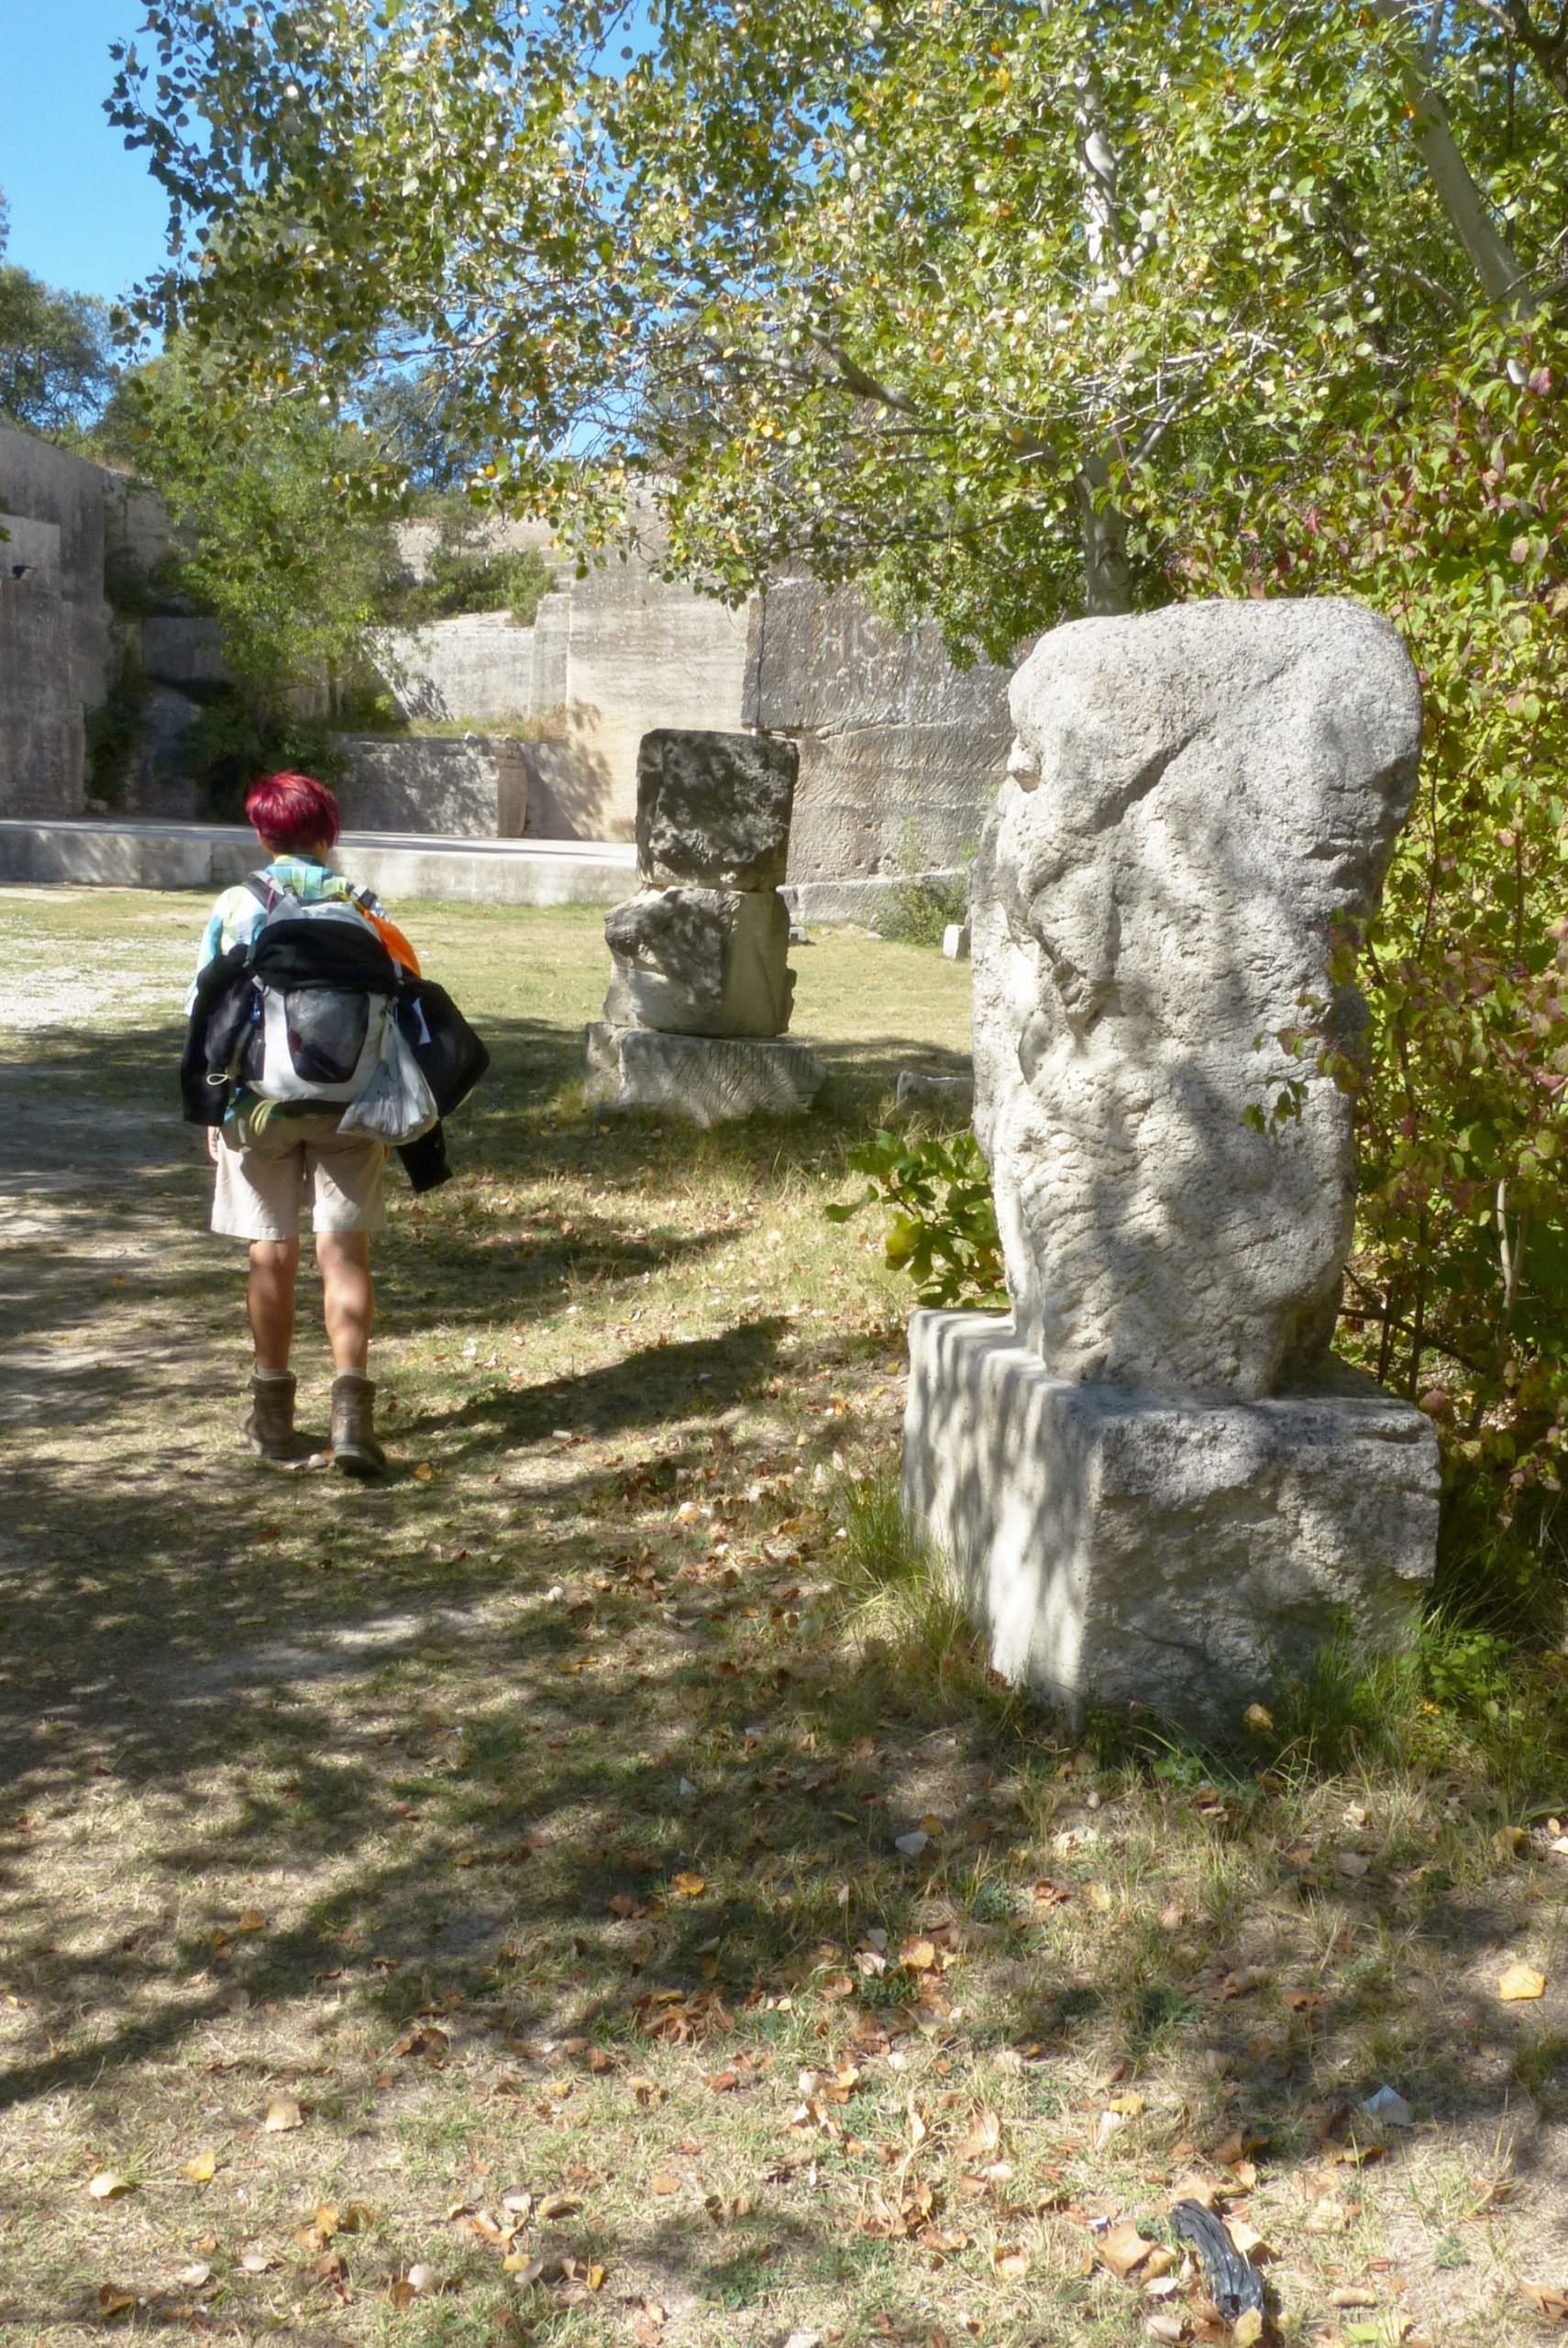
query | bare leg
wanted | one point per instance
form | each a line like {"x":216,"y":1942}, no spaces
{"x":349,"y":1299}
{"x":269,"y":1300}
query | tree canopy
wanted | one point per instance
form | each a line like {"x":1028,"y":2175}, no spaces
{"x":894,"y":290}
{"x":57,"y":364}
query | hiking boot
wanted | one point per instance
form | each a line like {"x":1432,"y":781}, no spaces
{"x":268,"y":1424}
{"x":354,"y":1446}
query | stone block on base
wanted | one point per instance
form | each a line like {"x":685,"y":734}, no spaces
{"x":715,"y":808}
{"x":1117,"y":1548}
{"x":707,"y":1079}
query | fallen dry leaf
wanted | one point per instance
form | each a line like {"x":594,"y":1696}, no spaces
{"x":283,"y":2114}
{"x":559,"y":2205}
{"x":201,"y":2168}
{"x":112,"y":2299}
{"x":1353,"y":2294}
{"x":194,"y":2276}
{"x":664,"y":2184}
{"x":1012,"y":2262}
{"x":1247,"y":2329}
{"x":108,"y":2185}
{"x":1124,"y":2249}
{"x":254,"y":1919}
{"x":1352,"y":1865}
{"x":688,"y":1887}
{"x":917,"y":1955}
{"x":258,"y":2261}
{"x":1520,"y":1981}
{"x":984,"y":2136}
{"x":1258,"y":1716}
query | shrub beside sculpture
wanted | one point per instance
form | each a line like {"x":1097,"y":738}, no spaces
{"x":1152,"y":1484}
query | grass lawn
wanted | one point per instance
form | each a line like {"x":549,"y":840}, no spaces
{"x":586,"y":1890}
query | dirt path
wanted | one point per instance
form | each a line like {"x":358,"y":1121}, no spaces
{"x":586,"y":1892}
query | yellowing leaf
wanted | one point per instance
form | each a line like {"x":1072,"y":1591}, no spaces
{"x":282,"y":2113}
{"x":424,"y":1472}
{"x":108,"y":2185}
{"x":1258,"y":1716}
{"x":1521,"y":1980}
{"x":201,"y":2168}
{"x":1247,"y":2329}
{"x":254,"y":1919}
{"x":688,"y":1887}
{"x":113,"y":2300}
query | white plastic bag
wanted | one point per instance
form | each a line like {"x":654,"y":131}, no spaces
{"x":397,"y":1104}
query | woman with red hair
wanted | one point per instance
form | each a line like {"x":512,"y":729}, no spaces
{"x":271,"y":1154}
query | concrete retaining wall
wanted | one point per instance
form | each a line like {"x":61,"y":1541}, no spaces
{"x":96,"y":853}
{"x":468,"y":787}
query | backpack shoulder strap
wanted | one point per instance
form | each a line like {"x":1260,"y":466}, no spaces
{"x":261,"y":889}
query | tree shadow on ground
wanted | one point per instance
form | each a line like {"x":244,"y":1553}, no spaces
{"x":457,"y":1714}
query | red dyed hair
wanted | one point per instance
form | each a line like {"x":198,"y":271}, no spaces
{"x":292,"y":810}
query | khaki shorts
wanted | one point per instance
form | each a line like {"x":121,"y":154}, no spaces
{"x":258,"y":1190}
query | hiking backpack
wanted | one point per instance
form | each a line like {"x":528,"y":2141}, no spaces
{"x":323,"y":984}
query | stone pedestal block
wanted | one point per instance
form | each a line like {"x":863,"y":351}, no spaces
{"x":707,"y":1079}
{"x":701,"y":962}
{"x":1121,"y":1548}
{"x":715,"y":808}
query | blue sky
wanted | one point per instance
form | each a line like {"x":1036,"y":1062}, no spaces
{"x":85,"y":214}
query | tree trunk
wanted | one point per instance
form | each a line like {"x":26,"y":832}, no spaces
{"x":1108,"y":586}
{"x":1502,"y":280}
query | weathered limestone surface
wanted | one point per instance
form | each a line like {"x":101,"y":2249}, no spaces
{"x":1195,"y":797}
{"x":900,"y":751}
{"x":471,"y":786}
{"x":699,"y":957}
{"x":705,"y":1080}
{"x":183,"y":652}
{"x":701,"y":962}
{"x":1151,"y":1485}
{"x":1116,"y":1547}
{"x":476,"y":665}
{"x":715,"y":807}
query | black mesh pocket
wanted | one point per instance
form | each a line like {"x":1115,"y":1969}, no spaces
{"x":328,"y":1027}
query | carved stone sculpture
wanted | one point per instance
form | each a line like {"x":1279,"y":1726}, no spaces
{"x":700,"y":956}
{"x":1195,"y":798}
{"x":1154,"y":1484}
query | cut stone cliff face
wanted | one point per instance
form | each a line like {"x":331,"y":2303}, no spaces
{"x":1197,"y":800}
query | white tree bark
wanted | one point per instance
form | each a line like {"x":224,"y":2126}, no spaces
{"x":1502,"y":280}
{"x":1108,"y":587}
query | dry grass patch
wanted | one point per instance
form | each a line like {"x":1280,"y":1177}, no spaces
{"x":587,"y":1890}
